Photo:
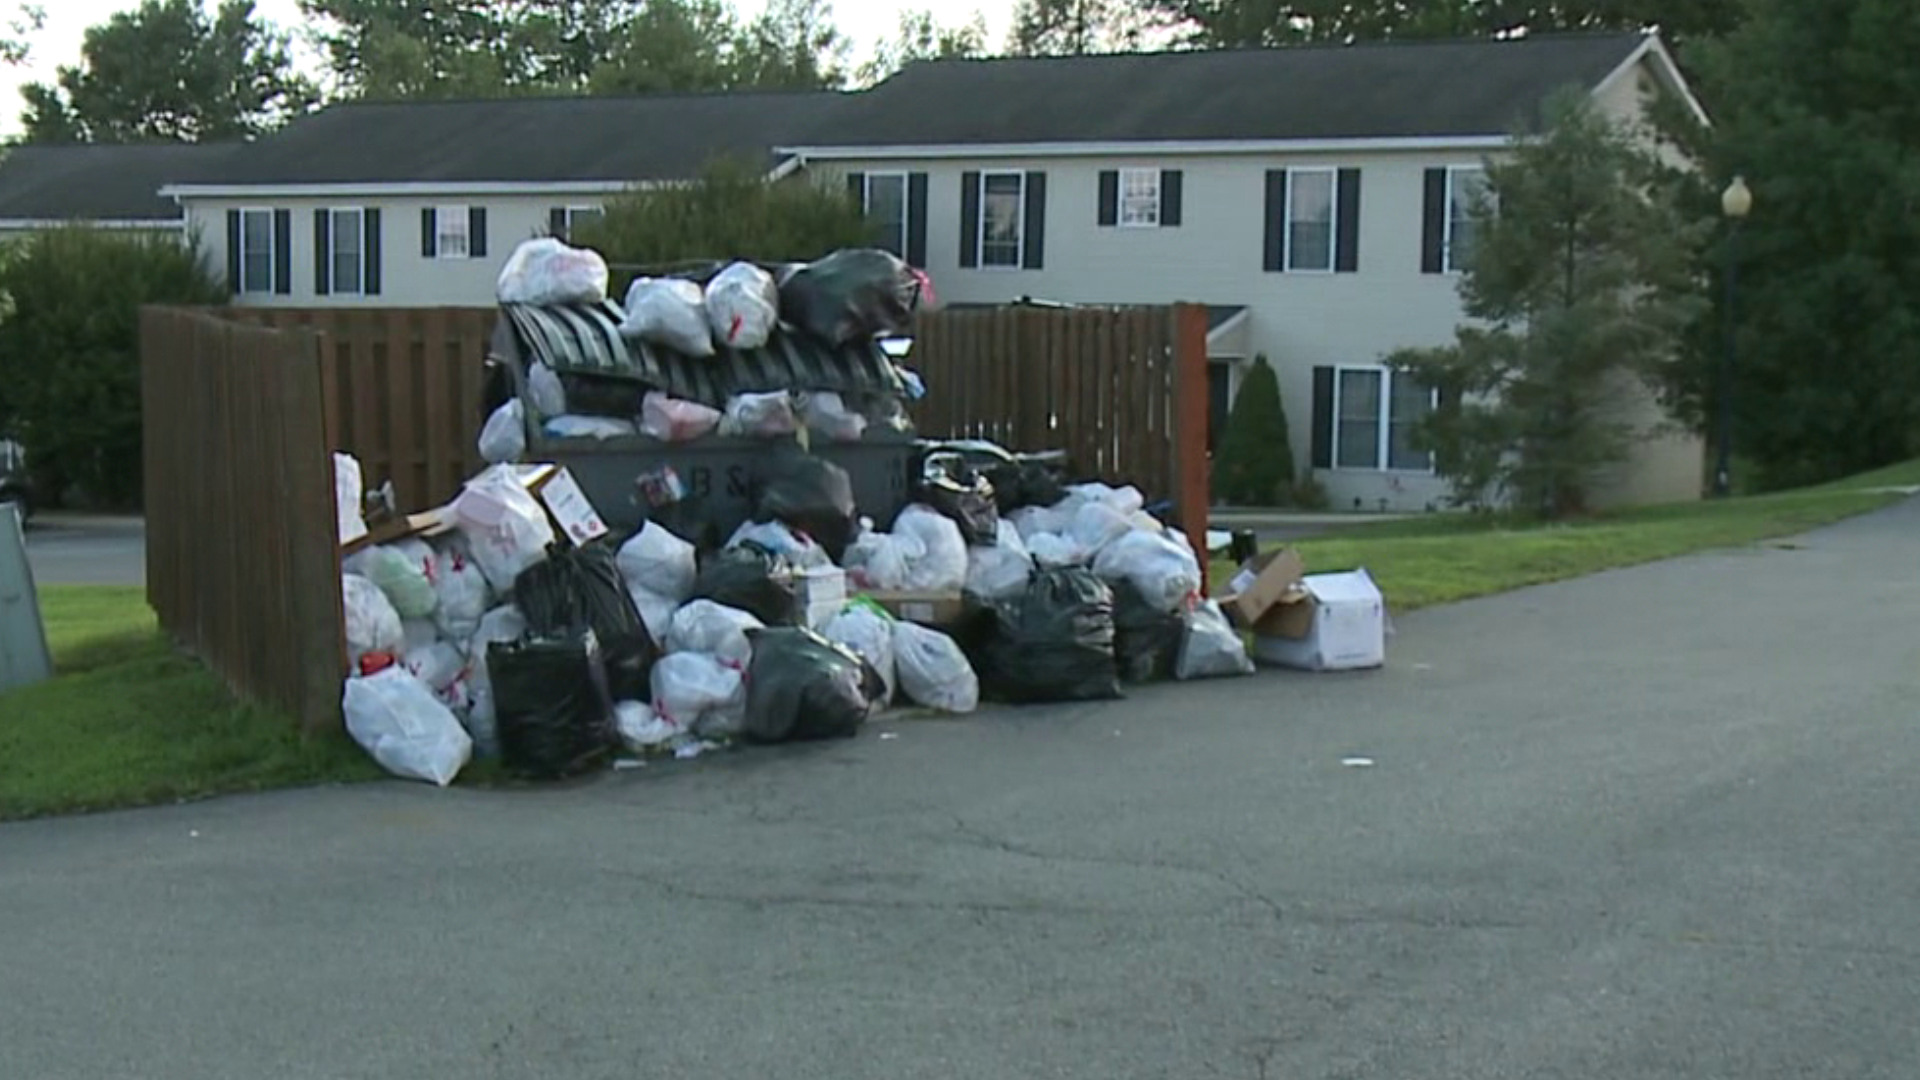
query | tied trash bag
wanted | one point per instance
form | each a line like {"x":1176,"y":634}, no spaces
{"x":802,"y":686}
{"x":715,"y":629}
{"x":1000,"y":571}
{"x":348,"y":490}
{"x":759,"y":416}
{"x":1163,"y":569}
{"x":545,"y":392}
{"x":933,"y":670}
{"x":743,"y":306}
{"x":551,"y":705}
{"x":851,"y":294}
{"x":825,"y":413}
{"x":506,"y":528}
{"x":462,"y":592}
{"x":813,"y":495}
{"x":373,"y":626}
{"x":753,"y":579}
{"x":671,"y":312}
{"x":943,"y":565}
{"x":641,"y":729}
{"x":1095,"y":525}
{"x":504,"y":438}
{"x":1211,"y":648}
{"x":1054,"y":642}
{"x":545,"y":271}
{"x":580,"y":588}
{"x":696,"y":692}
{"x":401,"y":572}
{"x":1146,"y":638}
{"x":882,"y":560}
{"x":867,"y":629}
{"x":398,"y":721}
{"x":656,"y":560}
{"x":670,"y":419}
{"x":796,"y":548}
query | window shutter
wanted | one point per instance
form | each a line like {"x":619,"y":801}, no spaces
{"x":371,"y":218}
{"x":429,"y":232}
{"x":477,"y":232}
{"x":1433,"y":222}
{"x":857,"y":188}
{"x":233,"y":251}
{"x":322,"y":252}
{"x":557,"y":223}
{"x":917,"y":218}
{"x":1170,"y":183}
{"x":1109,"y":196}
{"x":1276,"y":224}
{"x":283,"y":252}
{"x":1323,"y":418}
{"x":1033,"y":227}
{"x":969,"y":219}
{"x":1346,"y":250}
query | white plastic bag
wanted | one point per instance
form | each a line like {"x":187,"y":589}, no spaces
{"x":1052,"y":550}
{"x":641,"y":729}
{"x":743,"y":306}
{"x":825,"y":412}
{"x":943,"y":566}
{"x":877,"y":560}
{"x":504,"y":438}
{"x":1095,"y":525}
{"x":396,"y":718}
{"x":659,"y":562}
{"x":545,"y":392}
{"x":462,"y":590}
{"x":1164,"y":572}
{"x":372,"y":624}
{"x":670,"y":419}
{"x":1000,"y":571}
{"x":504,"y":623}
{"x":545,"y":271}
{"x":1123,"y":500}
{"x":401,"y":572}
{"x":870,"y":634}
{"x":798,"y":549}
{"x":932,"y":669}
{"x":713,"y":629}
{"x":1211,"y":648}
{"x":442,"y":666}
{"x":348,"y":490}
{"x":506,"y":527}
{"x":759,"y":416}
{"x":590,"y":427}
{"x":696,"y":692}
{"x":670,"y":312}
{"x":655,"y":610}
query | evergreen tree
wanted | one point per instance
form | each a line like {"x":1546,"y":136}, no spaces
{"x":1254,"y":466}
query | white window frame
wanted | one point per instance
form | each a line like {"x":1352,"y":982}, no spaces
{"x":570,"y":211}
{"x":1150,"y":217}
{"x":1020,"y":209}
{"x":273,"y":253}
{"x":462,"y":216}
{"x":1447,"y":265}
{"x":1332,"y":174}
{"x":333,"y":250}
{"x":906,"y":196}
{"x":1383,"y":448}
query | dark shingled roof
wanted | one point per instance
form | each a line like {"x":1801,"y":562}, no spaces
{"x":99,"y":183}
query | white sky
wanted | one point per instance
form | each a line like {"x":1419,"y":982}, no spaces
{"x":863,"y":21}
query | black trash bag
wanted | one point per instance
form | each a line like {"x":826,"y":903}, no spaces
{"x":580,"y":588}
{"x":851,"y":294}
{"x":1025,"y":484}
{"x":801,"y":686}
{"x":813,"y":495}
{"x":1146,"y":639}
{"x":753,"y":579}
{"x":957,"y":490}
{"x":1054,"y":642}
{"x":551,"y":703}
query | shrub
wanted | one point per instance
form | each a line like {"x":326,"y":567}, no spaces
{"x":70,"y":350}
{"x":1255,"y":462}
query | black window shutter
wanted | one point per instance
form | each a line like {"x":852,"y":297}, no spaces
{"x":1433,"y":222}
{"x":322,"y":252}
{"x":857,"y":188}
{"x":1346,"y":250}
{"x":1033,"y":227}
{"x":557,"y":222}
{"x":372,"y":218}
{"x":1109,"y":196}
{"x":1276,"y":220}
{"x":429,"y":232}
{"x":969,"y":219}
{"x":917,"y":218}
{"x":233,"y":251}
{"x":283,"y":252}
{"x":1170,"y":184}
{"x":1323,"y":418}
{"x":477,"y":232}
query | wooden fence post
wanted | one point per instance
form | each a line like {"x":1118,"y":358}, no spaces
{"x":1192,"y":497}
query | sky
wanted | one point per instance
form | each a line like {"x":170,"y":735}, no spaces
{"x":864,"y":21}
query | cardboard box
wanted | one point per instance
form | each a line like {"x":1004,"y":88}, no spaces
{"x":1266,"y":580}
{"x":574,"y":517}
{"x":1346,"y":627}
{"x":926,"y":608}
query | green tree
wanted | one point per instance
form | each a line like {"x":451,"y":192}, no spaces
{"x":1581,"y":282}
{"x":24,"y":21}
{"x":166,"y":71}
{"x":70,"y":349}
{"x":1258,"y":23}
{"x":921,"y":37}
{"x":792,"y":45}
{"x":389,"y":49}
{"x":670,"y":45}
{"x":1076,"y":27}
{"x":1254,"y":466}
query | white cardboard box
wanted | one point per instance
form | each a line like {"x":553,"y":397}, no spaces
{"x":1349,"y":629}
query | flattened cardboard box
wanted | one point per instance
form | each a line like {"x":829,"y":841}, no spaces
{"x":927,"y":608}
{"x":1266,"y":581}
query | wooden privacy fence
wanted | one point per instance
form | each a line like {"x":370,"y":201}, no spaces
{"x":242,"y":552}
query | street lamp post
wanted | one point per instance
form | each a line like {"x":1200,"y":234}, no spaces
{"x":1735,"y":202}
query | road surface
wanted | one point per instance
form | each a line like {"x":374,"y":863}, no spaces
{"x":66,"y":549}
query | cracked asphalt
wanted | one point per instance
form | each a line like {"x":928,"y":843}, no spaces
{"x":1652,"y":824}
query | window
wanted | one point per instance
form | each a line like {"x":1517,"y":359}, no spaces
{"x":256,"y":251}
{"x":579,"y":216}
{"x":885,"y":201}
{"x":1465,"y":186}
{"x":1376,"y":412}
{"x":1002,"y":208}
{"x":1139,"y":198}
{"x":451,"y":239}
{"x":348,"y":259}
{"x":1310,"y":218}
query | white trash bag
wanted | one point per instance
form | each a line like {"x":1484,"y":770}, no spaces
{"x":503,"y":624}
{"x":714,"y":629}
{"x":546,"y":271}
{"x":348,"y":490}
{"x":655,"y":610}
{"x":1032,"y":520}
{"x":943,"y":566}
{"x":743,"y":306}
{"x":932,"y":669}
{"x":658,"y":561}
{"x":1211,"y":648}
{"x":504,"y":438}
{"x":1000,"y":571}
{"x":670,"y":419}
{"x":797,"y":548}
{"x":1095,"y":525}
{"x":506,"y":527}
{"x":826,"y":413}
{"x":1124,"y":500}
{"x":1052,"y":551}
{"x":877,"y":560}
{"x":545,"y":392}
{"x":759,"y":416}
{"x":590,"y":427}
{"x":641,"y":729}
{"x":442,"y":667}
{"x":870,"y":634}
{"x":373,"y":625}
{"x":462,"y":590}
{"x":396,"y":719}
{"x":401,"y":572}
{"x":696,"y":692}
{"x":671,"y":312}
{"x":1163,"y":571}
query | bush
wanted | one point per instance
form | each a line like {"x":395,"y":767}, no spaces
{"x":70,"y":350}
{"x":1255,"y":463}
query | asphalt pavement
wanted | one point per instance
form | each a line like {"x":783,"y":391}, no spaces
{"x":1656,"y":823}
{"x":73,"y":549}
